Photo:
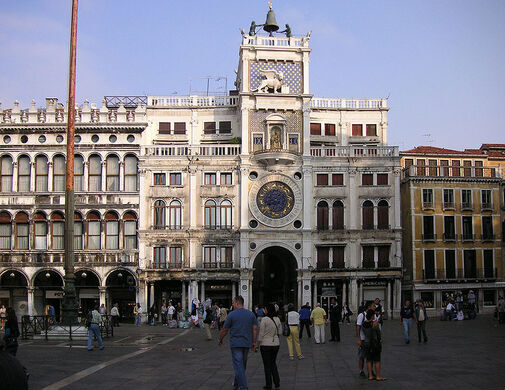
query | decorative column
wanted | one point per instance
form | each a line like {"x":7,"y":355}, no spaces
{"x":152,"y":301}
{"x":183,"y":295}
{"x":30,"y":301}
{"x":202,"y":291}
{"x":299,"y":291}
{"x":314,"y":293}
{"x":190,"y":298}
{"x":353,"y":295}
{"x":354,"y":209}
{"x":344,"y":292}
{"x":14,"y":176}
{"x":360,"y":292}
{"x":390,"y":314}
{"x":121,"y":176}
{"x":104,"y":175}
{"x":102,"y":291}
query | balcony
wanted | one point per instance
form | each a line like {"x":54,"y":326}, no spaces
{"x":486,"y":206}
{"x":449,"y":206}
{"x":165,"y":265}
{"x":459,"y":275}
{"x":215,"y":265}
{"x":199,"y":151}
{"x":488,"y":237}
{"x":192,"y":101}
{"x":429,"y":237}
{"x":468,"y":237}
{"x":451,"y":172}
{"x":450,"y":237}
{"x":428,"y":206}
{"x":275,"y":156}
{"x":354,"y":151}
{"x":466,"y":206}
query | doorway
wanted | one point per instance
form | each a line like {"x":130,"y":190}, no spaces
{"x":274,"y":278}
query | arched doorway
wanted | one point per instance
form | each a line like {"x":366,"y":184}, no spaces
{"x":274,"y":278}
{"x":86,"y":285}
{"x":121,"y":288}
{"x":13,"y":291}
{"x":48,"y":291}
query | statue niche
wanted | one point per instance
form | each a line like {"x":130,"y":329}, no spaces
{"x":275,"y":138}
{"x":272,"y":81}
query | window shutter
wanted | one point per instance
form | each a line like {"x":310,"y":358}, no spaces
{"x":357,"y":130}
{"x":329,"y":129}
{"x":164,"y":128}
{"x":382,"y":179}
{"x":337,"y":179}
{"x":315,"y":129}
{"x":180,"y":128}
{"x":371,"y":130}
{"x":367,"y":179}
{"x":322,"y":179}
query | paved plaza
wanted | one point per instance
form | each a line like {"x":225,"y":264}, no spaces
{"x":459,"y":355}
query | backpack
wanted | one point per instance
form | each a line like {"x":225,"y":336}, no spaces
{"x":89,"y":319}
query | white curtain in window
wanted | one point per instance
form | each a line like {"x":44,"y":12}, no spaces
{"x":176,"y":256}
{"x":58,"y":235}
{"x":130,"y":172}
{"x":78,"y":235}
{"x":24,"y":171}
{"x":22,"y":239}
{"x":78,"y":173}
{"x":130,"y":234}
{"x":175,"y":215}
{"x":112,"y":173}
{"x":40,"y":235}
{"x":6,"y":171}
{"x":41,"y":172}
{"x":59,"y":173}
{"x":95,"y":173}
{"x":94,"y":235}
{"x":226,"y":214}
{"x":112,"y":234}
{"x":5,"y":235}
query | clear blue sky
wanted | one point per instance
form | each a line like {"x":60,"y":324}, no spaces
{"x":441,"y":62}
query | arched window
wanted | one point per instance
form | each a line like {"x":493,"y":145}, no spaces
{"x":93,"y":230}
{"x":112,"y":172}
{"x":41,"y":174}
{"x":22,"y":231}
{"x":5,"y":230}
{"x":40,"y":222}
{"x":367,"y":215}
{"x":111,"y":231}
{"x":57,"y":231}
{"x":210,"y":214}
{"x":159,"y":214}
{"x":338,"y":215}
{"x":322,"y":215}
{"x":24,"y":173}
{"x":95,"y":173}
{"x":383,"y":215}
{"x":226,"y":214}
{"x":6,"y":174}
{"x":175,"y":215}
{"x":78,"y":231}
{"x":130,"y":230}
{"x":78,"y":173}
{"x":59,"y":171}
{"x":130,"y":173}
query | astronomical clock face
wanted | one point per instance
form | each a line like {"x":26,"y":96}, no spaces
{"x":275,"y":200}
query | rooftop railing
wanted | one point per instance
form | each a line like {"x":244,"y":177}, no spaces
{"x":354,"y":151}
{"x":258,"y":40}
{"x":336,"y":104}
{"x":192,"y":101}
{"x":452,"y":171}
{"x":191,"y":150}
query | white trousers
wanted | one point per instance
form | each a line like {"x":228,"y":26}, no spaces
{"x":319,"y":333}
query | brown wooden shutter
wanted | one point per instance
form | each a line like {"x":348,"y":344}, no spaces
{"x":467,"y":172}
{"x":367,"y":215}
{"x":409,"y":162}
{"x":338,"y":215}
{"x":322,"y":216}
{"x":329,"y":129}
{"x":368,"y":254}
{"x":382,"y":179}
{"x":164,"y":128}
{"x":433,"y":167}
{"x":383,"y":260}
{"x":315,"y":129}
{"x":478,"y":171}
{"x":338,"y":257}
{"x":209,"y":127}
{"x":323,"y":257}
{"x":367,"y":179}
{"x":225,"y":127}
{"x":383,"y":215}
{"x":180,"y":128}
{"x":371,"y":130}
{"x":357,"y":130}
{"x":322,"y":179}
{"x":456,"y":171}
{"x":337,"y":179}
{"x":444,"y":171}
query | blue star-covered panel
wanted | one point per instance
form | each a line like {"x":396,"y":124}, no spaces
{"x":292,"y":74}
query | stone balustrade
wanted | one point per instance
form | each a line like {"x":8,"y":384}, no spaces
{"x":192,"y":101}
{"x":354,"y":151}
{"x":258,"y":40}
{"x":55,"y":112}
{"x":191,"y":150}
{"x":356,"y":104}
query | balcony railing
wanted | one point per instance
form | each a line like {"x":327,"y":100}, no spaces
{"x":460,"y":274}
{"x":429,"y":237}
{"x":428,"y":205}
{"x":488,"y":237}
{"x":486,"y":206}
{"x":468,"y":237}
{"x":449,"y":206}
{"x":466,"y":206}
{"x":192,"y":101}
{"x":450,"y":237}
{"x":455,"y":171}
{"x":191,"y":150}
{"x":165,"y":265}
{"x":81,"y":257}
{"x":364,"y":104}
{"x":354,"y":151}
{"x":215,"y":265}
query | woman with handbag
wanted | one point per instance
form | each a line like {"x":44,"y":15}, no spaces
{"x":268,"y":341}
{"x":293,"y":321}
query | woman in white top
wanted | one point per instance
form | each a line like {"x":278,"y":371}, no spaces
{"x":293,"y":319}
{"x":268,"y":341}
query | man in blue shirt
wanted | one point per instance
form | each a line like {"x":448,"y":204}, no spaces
{"x":304,"y":319}
{"x":243,"y":328}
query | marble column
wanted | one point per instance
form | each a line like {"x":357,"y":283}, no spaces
{"x":102,"y":291}
{"x":183,"y":295}
{"x":202,"y":291}
{"x":299,"y":291}
{"x":344,"y":292}
{"x":388,"y":301}
{"x":30,"y":301}
{"x":353,"y":295}
{"x":314,"y":293}
{"x":152,"y":300}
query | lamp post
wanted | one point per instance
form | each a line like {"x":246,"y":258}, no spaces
{"x":70,"y":304}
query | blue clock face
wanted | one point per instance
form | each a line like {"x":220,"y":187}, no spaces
{"x":275,"y":199}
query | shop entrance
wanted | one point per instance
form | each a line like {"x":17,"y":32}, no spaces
{"x":274,"y":278}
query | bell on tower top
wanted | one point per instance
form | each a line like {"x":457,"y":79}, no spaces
{"x":270,"y":25}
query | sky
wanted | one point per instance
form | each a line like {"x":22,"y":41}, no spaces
{"x":441,"y":63}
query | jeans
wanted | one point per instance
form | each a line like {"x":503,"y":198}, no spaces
{"x":304,"y":323}
{"x":269,"y":355}
{"x":421,"y":327}
{"x":239,"y":361}
{"x":406,"y":327}
{"x":94,"y":329}
{"x":139,"y":320}
{"x":293,"y":339}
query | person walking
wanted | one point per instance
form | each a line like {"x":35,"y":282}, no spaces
{"x":335,"y":314}
{"x":293,"y":319}
{"x":319,"y":320}
{"x":361,"y":336}
{"x":243,"y":327}
{"x":347,"y":313}
{"x":421,"y":317}
{"x":11,"y":333}
{"x":500,"y":308}
{"x":269,"y":342}
{"x":304,"y":320}
{"x":372,"y":345}
{"x":207,"y":321}
{"x":406,"y":315}
{"x":379,"y":312}
{"x":170,"y":311}
{"x":3,"y":316}
{"x":114,"y":312}
{"x":137,"y":311}
{"x":94,"y":329}
{"x":223,"y":313}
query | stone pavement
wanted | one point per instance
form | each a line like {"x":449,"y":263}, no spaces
{"x":459,"y":355}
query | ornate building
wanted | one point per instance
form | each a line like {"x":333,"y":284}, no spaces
{"x":269,"y":192}
{"x":453,"y":231}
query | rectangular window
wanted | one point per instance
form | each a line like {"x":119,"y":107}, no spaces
{"x":160,"y":257}
{"x":293,"y":143}
{"x":487,"y":228}
{"x":78,"y":232}
{"x":180,"y":128}
{"x":449,"y":228}
{"x":429,"y":264}
{"x":160,"y":179}
{"x":22,"y":241}
{"x":323,"y":257}
{"x":209,"y":178}
{"x":94,"y":235}
{"x":432,"y":167}
{"x":338,"y":257}
{"x":40,"y":235}
{"x":130,"y":234}
{"x":467,"y":228}
{"x":444,"y":170}
{"x":5,"y":235}
{"x":428,"y":228}
{"x":486,"y":199}
{"x":367,"y":179}
{"x":382,"y":179}
{"x":409,"y":162}
{"x":210,"y":257}
{"x":450,"y":264}
{"x":41,"y":172}
{"x":427,"y":198}
{"x":421,"y":164}
{"x":24,"y":170}
{"x":467,"y":171}
{"x":371,"y":130}
{"x":448,"y":198}
{"x":466,"y":199}
{"x":329,"y":129}
{"x":315,"y":129}
{"x":383,"y":260}
{"x":130,"y":174}
{"x":428,"y":299}
{"x":322,"y":179}
{"x":58,"y":238}
{"x":226,"y":258}
{"x":470,"y":263}
{"x":112,"y":234}
{"x":59,"y":173}
{"x":175,"y":179}
{"x":209,"y":127}
{"x":226,"y":179}
{"x":488,"y":263}
{"x":175,"y":260}
{"x":164,"y":128}
{"x":225,"y":127}
{"x":78,"y":173}
{"x":357,"y":130}
{"x":337,"y":179}
{"x":368,"y":257}
{"x":489,"y":297}
{"x":456,"y":170}
{"x":478,"y":169}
